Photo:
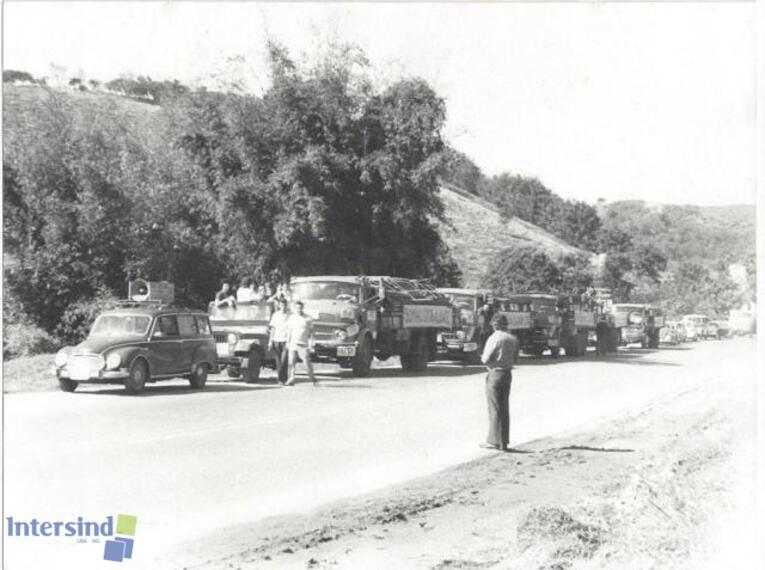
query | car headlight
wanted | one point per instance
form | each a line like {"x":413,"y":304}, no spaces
{"x":461,"y":335}
{"x":232,"y":338}
{"x":341,"y":334}
{"x":61,"y":357}
{"x":113,"y":361}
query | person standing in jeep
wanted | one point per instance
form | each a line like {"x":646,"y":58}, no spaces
{"x":277,"y":340}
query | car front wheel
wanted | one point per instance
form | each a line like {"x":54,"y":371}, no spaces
{"x":198,"y":378}
{"x":137,"y":377}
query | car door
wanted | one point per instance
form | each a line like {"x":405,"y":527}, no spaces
{"x":190,"y":340}
{"x":165,"y":347}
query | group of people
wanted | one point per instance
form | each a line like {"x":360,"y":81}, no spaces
{"x":249,"y":292}
{"x":289,"y":339}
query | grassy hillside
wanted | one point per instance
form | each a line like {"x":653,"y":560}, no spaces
{"x":477,"y":231}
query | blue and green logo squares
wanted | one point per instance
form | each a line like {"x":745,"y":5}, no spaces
{"x":121,"y":547}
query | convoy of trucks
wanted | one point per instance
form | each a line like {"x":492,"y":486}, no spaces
{"x":358,"y":318}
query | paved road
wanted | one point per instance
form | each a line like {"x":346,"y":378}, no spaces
{"x":187,"y":463}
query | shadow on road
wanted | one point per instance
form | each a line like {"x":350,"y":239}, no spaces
{"x":178,"y":390}
{"x":629,"y":356}
{"x":587,"y":448}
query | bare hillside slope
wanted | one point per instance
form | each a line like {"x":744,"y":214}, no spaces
{"x":477,"y":231}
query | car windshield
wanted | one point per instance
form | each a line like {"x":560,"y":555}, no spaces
{"x":325,"y":291}
{"x":120,"y":325}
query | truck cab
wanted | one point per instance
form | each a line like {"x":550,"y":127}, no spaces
{"x":536,"y":320}
{"x":356,"y":318}
{"x":643,"y":323}
{"x":465,"y":341}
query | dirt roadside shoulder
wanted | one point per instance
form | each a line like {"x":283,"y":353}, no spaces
{"x":659,"y":488}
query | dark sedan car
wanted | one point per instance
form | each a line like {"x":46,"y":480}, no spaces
{"x":137,"y":344}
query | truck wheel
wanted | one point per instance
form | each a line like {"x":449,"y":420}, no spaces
{"x":67,"y":385}
{"x":416,"y":360}
{"x":421,"y":355}
{"x":362,"y":362}
{"x":581,"y":344}
{"x":137,"y":377}
{"x":252,"y":372}
{"x":555,"y":351}
{"x":198,"y":377}
{"x":644,"y":342}
{"x":233,"y":372}
{"x":473,"y":358}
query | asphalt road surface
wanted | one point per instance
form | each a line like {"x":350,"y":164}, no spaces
{"x":187,"y":463}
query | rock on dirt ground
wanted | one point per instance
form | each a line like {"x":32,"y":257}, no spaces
{"x":670,"y":486}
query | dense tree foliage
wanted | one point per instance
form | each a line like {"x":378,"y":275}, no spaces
{"x":524,"y":270}
{"x":323,"y":174}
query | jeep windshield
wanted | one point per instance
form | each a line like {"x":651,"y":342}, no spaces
{"x":120,"y":325}
{"x":326,"y":291}
{"x":242,"y":312}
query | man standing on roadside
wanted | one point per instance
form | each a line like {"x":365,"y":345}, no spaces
{"x":277,"y":339}
{"x":499,"y":355}
{"x":299,"y":331}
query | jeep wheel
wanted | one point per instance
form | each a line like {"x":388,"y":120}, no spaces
{"x":362,"y":362}
{"x":67,"y":385}
{"x":137,"y":377}
{"x":198,"y":377}
{"x":254,"y":362}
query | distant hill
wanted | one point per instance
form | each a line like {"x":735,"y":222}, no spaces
{"x":477,"y":231}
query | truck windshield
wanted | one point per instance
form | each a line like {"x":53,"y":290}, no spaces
{"x":325,"y":291}
{"x":465,"y":302}
{"x":120,"y":325}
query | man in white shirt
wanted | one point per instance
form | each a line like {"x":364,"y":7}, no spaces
{"x":277,"y":340}
{"x":499,"y":355}
{"x":299,"y":331}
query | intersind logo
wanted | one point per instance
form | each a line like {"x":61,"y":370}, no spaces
{"x":118,"y":542}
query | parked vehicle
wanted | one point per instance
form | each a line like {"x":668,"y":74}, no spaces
{"x":743,"y":321}
{"x":671,"y":333}
{"x":535,"y":319}
{"x":723,"y":329}
{"x":141,"y":341}
{"x":643,"y":324}
{"x":465,"y":342}
{"x":702,"y":324}
{"x":241,"y":339}
{"x":356,"y":318}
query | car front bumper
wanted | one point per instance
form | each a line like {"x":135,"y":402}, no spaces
{"x":103,"y":377}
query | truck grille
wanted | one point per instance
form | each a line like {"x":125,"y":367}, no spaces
{"x":221,"y":338}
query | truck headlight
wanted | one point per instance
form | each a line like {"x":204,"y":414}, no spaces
{"x":232,"y":338}
{"x":341,"y":334}
{"x":113,"y":361}
{"x":461,"y":335}
{"x":61,"y":357}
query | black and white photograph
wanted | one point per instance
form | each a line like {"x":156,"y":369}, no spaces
{"x":382,"y":285}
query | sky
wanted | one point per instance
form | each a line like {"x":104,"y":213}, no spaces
{"x":650,"y":101}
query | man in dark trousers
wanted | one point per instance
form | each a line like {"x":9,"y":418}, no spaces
{"x":499,"y":355}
